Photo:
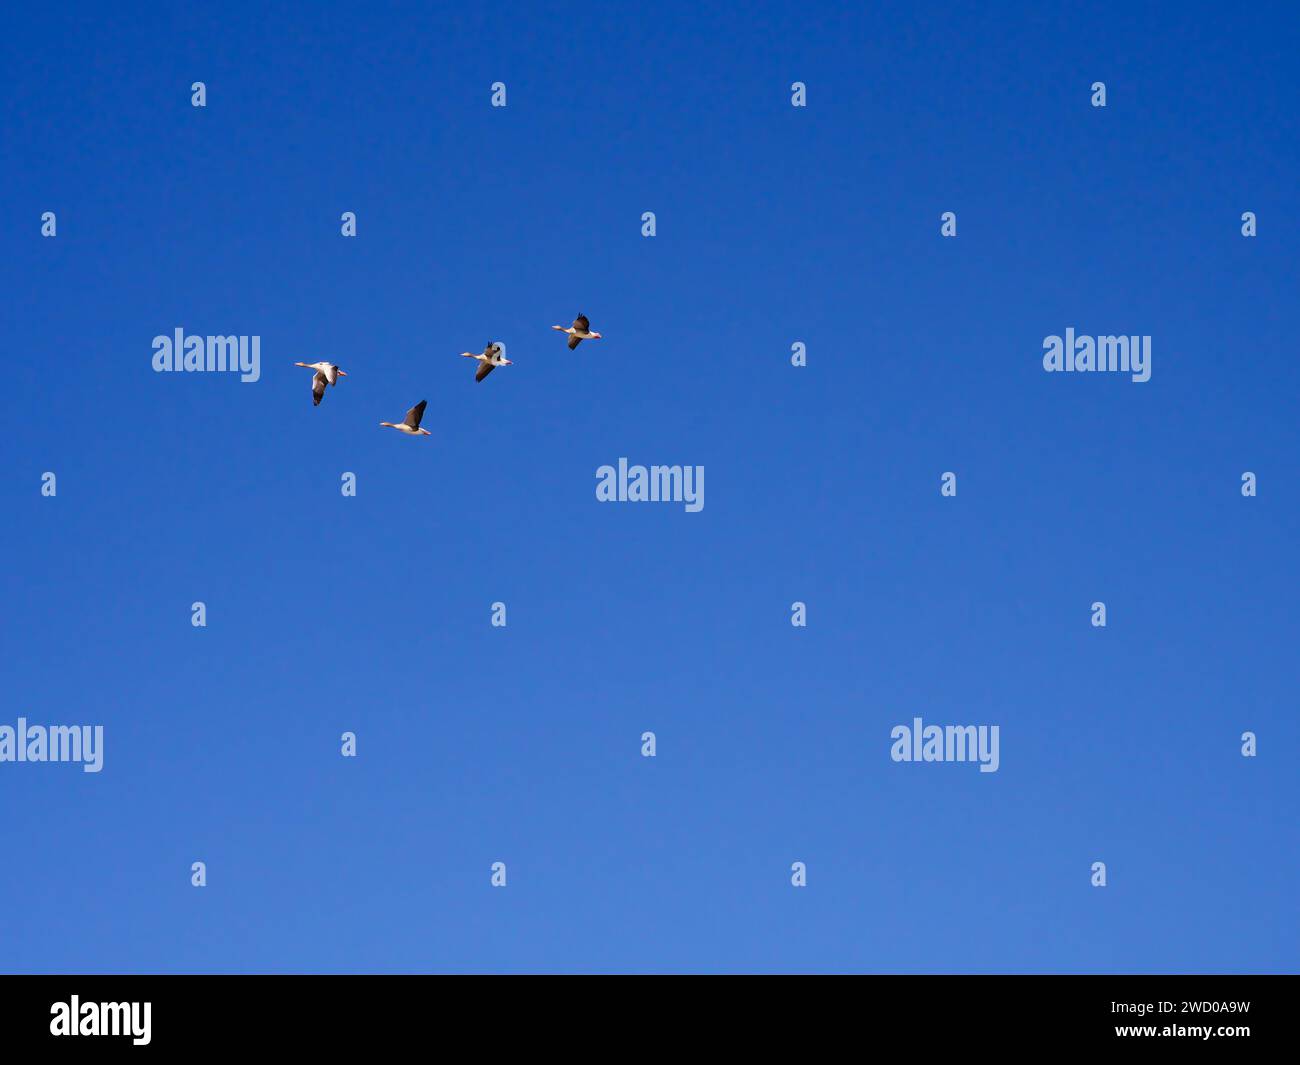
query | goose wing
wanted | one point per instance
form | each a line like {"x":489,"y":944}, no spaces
{"x":414,"y":415}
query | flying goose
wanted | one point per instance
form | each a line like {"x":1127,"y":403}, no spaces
{"x":578,"y":332}
{"x":492,"y":357}
{"x":326,"y":374}
{"x":411,"y":425}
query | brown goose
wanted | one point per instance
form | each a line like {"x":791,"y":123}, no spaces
{"x":326,"y":374}
{"x":578,"y":332}
{"x":492,"y":357}
{"x":411,"y":425}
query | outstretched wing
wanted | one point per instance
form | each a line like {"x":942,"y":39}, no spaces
{"x":317,"y":389}
{"x":581,"y":324}
{"x":414,"y":415}
{"x":574,"y":341}
{"x":484,"y":368}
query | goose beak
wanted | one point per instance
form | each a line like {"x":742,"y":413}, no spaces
{"x":343,"y":373}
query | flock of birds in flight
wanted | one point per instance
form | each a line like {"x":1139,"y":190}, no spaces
{"x":328,"y":373}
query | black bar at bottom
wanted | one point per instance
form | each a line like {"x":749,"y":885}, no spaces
{"x":1228,"y":1014}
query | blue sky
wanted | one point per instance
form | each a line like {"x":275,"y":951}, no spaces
{"x":774,"y":224}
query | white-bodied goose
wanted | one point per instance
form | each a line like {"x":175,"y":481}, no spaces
{"x":492,"y":357}
{"x":326,"y":374}
{"x":578,"y":332}
{"x":411,"y":425}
